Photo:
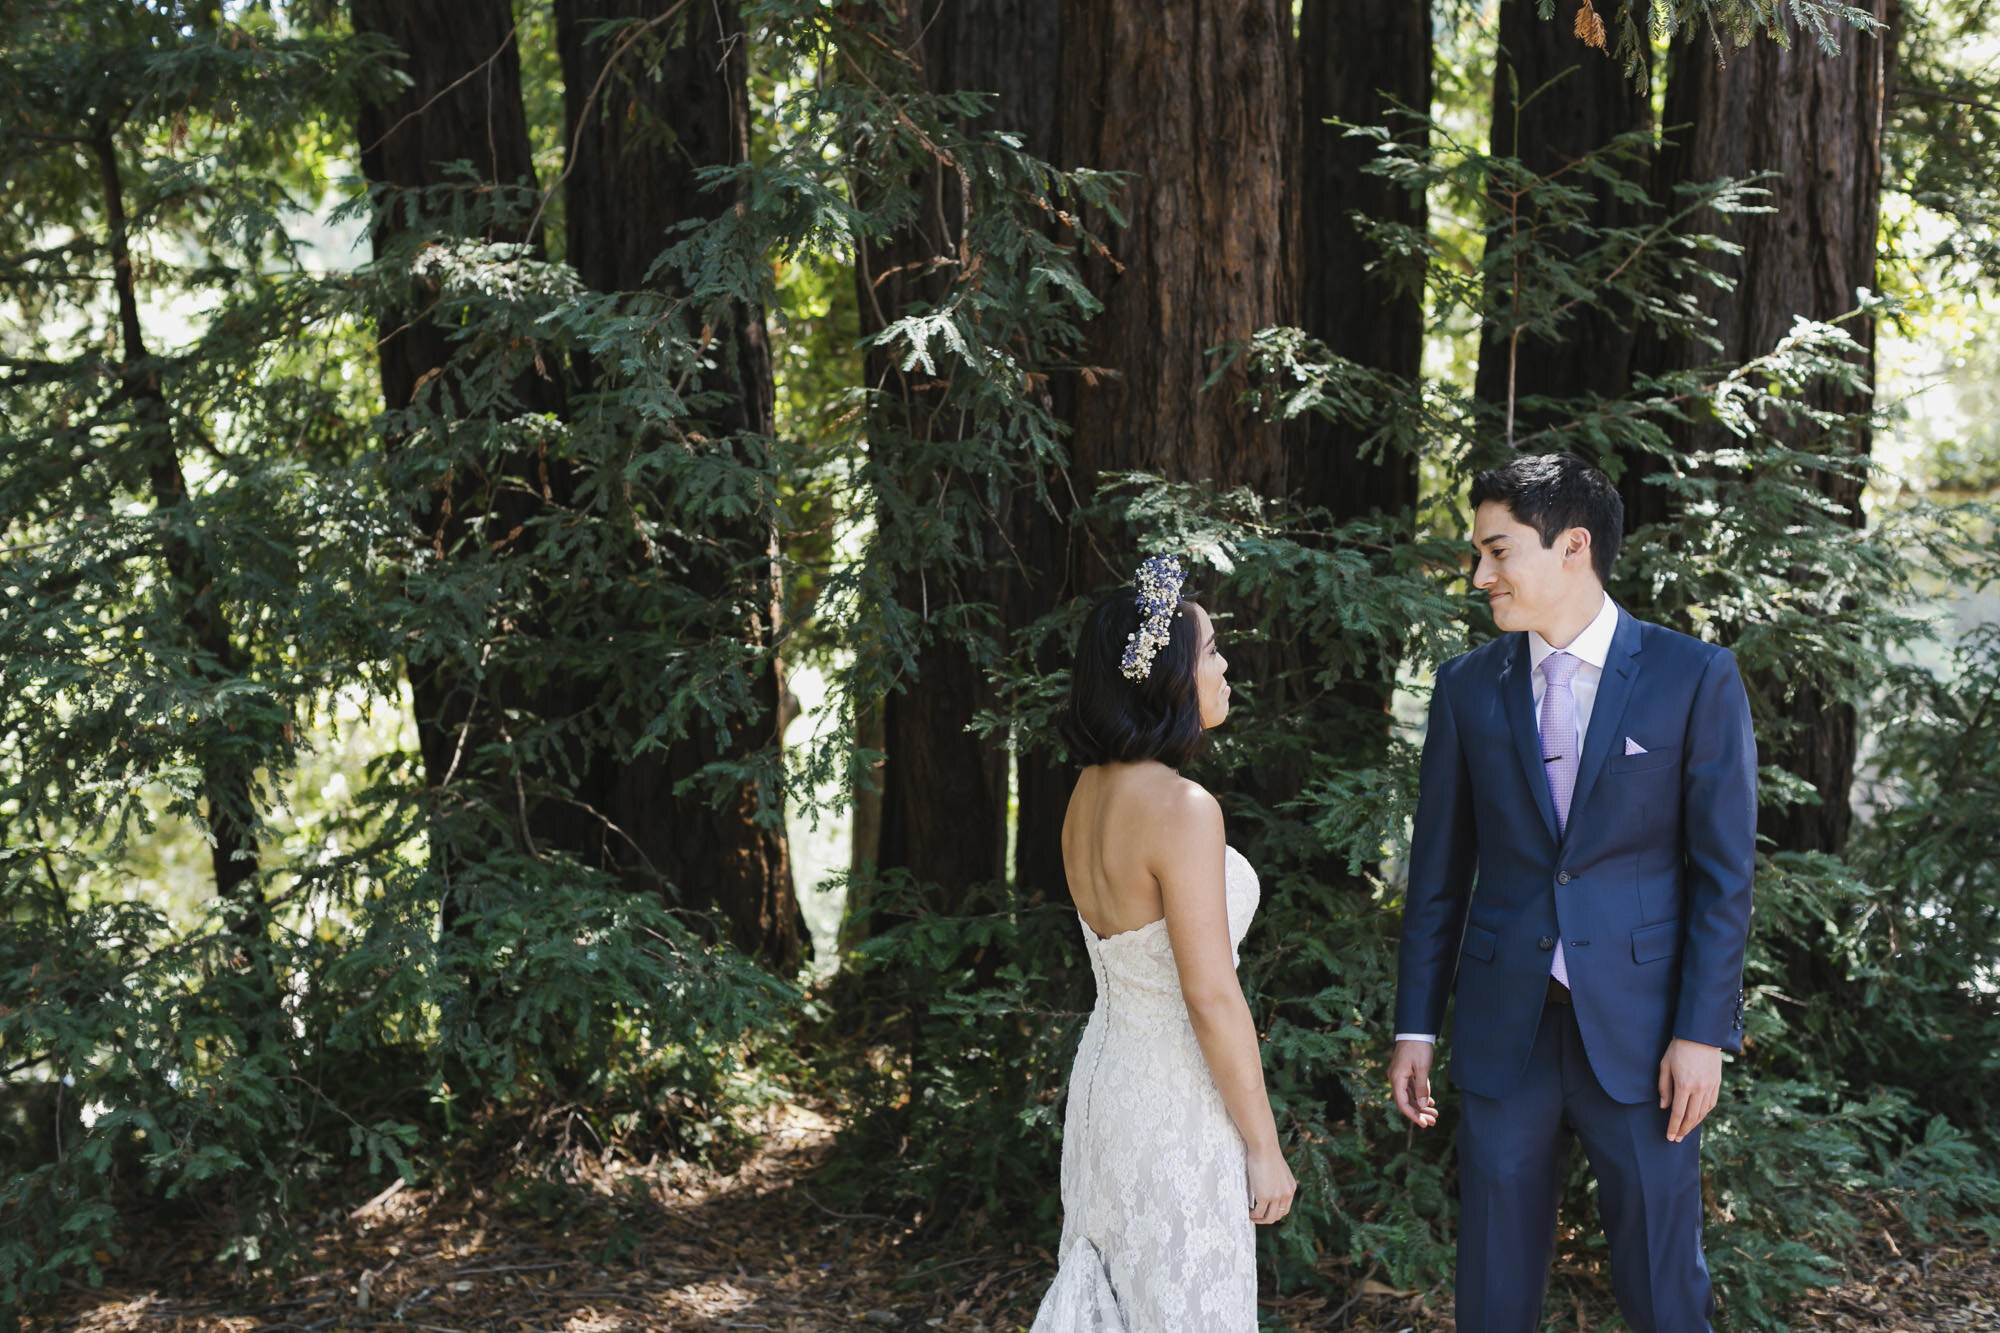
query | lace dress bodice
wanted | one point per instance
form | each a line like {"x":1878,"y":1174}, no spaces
{"x":1156,"y":1223}
{"x":1140,"y":962}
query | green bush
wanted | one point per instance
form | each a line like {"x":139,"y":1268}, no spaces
{"x":386,"y":1041}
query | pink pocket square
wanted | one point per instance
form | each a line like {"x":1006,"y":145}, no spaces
{"x":1633,"y":747}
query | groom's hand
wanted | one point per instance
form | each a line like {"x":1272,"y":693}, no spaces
{"x":1410,"y":1082}
{"x":1690,"y":1081}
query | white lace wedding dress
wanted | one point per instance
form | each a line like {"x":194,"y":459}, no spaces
{"x":1156,"y":1231}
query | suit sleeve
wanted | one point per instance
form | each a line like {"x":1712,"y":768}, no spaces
{"x":1442,"y":856}
{"x":1719,"y":820}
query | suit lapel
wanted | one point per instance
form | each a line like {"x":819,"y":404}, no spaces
{"x":1518,"y":696}
{"x":1607,"y":714}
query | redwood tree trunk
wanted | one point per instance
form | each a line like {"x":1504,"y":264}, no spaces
{"x":944,"y":793}
{"x":1362,"y":62}
{"x":1358,"y":60}
{"x":1590,"y":103}
{"x":1013,"y":49}
{"x":1198,"y":100}
{"x":1816,"y":121}
{"x":677,"y":101}
{"x":463,"y":102}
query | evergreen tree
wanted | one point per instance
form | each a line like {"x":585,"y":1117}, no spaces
{"x":1808,"y":124}
{"x":1360,"y":65}
{"x":459,"y":101}
{"x":1555,"y":99}
{"x":944,"y":796}
{"x":655,"y":98}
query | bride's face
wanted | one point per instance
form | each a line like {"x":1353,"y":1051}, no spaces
{"x":1210,"y":669}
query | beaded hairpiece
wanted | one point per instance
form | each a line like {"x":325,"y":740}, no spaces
{"x":1159,"y":583}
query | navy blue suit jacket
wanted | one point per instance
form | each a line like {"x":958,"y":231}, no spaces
{"x":1649,"y":887}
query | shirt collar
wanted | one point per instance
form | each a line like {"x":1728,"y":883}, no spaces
{"x":1592,"y":647}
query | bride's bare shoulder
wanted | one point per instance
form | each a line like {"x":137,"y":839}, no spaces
{"x":1177,"y":809}
{"x":1144,"y":798}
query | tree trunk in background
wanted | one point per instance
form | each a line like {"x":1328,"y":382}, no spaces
{"x":463,"y":102}
{"x":864,"y":839}
{"x":1591,"y":103}
{"x":676,"y":102}
{"x":1010,"y":49}
{"x":1816,"y":120}
{"x":942,"y":812}
{"x":1357,"y":60}
{"x":1198,"y":100}
{"x":1013,"y":48}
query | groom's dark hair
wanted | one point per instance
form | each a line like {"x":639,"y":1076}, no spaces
{"x":1110,"y":719}
{"x":1553,"y":493}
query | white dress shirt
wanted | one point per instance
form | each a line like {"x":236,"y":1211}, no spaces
{"x":1591,"y":648}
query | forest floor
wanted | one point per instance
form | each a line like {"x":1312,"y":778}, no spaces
{"x":758,"y":1249}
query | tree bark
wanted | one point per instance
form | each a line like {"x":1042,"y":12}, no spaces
{"x":670,"y":101}
{"x":1590,"y":103}
{"x":864,"y":843}
{"x":1198,"y":100}
{"x":942,"y":812}
{"x":1362,"y":62}
{"x":463,"y":102}
{"x":1013,"y":48}
{"x":1816,"y":121}
{"x":1358,"y":60}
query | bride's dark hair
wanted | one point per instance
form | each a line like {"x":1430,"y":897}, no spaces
{"x":1110,"y":719}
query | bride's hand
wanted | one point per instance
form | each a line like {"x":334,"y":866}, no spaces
{"x":1271,"y":1187}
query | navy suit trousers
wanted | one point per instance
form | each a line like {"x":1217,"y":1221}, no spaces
{"x":1513,"y":1156}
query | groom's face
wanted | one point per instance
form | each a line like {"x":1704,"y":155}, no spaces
{"x":1528,"y":585}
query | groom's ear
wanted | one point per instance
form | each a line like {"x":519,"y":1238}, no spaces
{"x":1576,"y":545}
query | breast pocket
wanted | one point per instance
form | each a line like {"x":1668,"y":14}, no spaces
{"x":1664,"y":757}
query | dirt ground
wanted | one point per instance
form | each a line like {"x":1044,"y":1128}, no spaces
{"x":759,"y":1250}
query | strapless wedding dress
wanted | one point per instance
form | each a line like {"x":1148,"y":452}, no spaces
{"x":1156,"y":1235}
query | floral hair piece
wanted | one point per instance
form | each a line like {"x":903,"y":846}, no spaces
{"x":1159,"y":583}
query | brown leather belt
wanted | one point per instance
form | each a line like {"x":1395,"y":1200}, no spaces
{"x":1558,"y":993}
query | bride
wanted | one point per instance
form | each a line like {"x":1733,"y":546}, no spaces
{"x":1170,"y":1152}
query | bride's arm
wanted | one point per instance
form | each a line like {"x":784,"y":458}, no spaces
{"x":1189,"y":864}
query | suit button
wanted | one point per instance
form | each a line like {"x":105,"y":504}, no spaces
{"x":1545,"y":943}
{"x":1563,"y":877}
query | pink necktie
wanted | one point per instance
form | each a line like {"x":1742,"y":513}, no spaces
{"x":1559,"y":755}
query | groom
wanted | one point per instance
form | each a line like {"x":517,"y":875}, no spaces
{"x":1596,"y":777}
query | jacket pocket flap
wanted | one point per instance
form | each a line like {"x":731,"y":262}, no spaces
{"x":1480,"y":943}
{"x":1652,"y":943}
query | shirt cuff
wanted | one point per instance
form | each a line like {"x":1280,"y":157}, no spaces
{"x":1417,"y":1036}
